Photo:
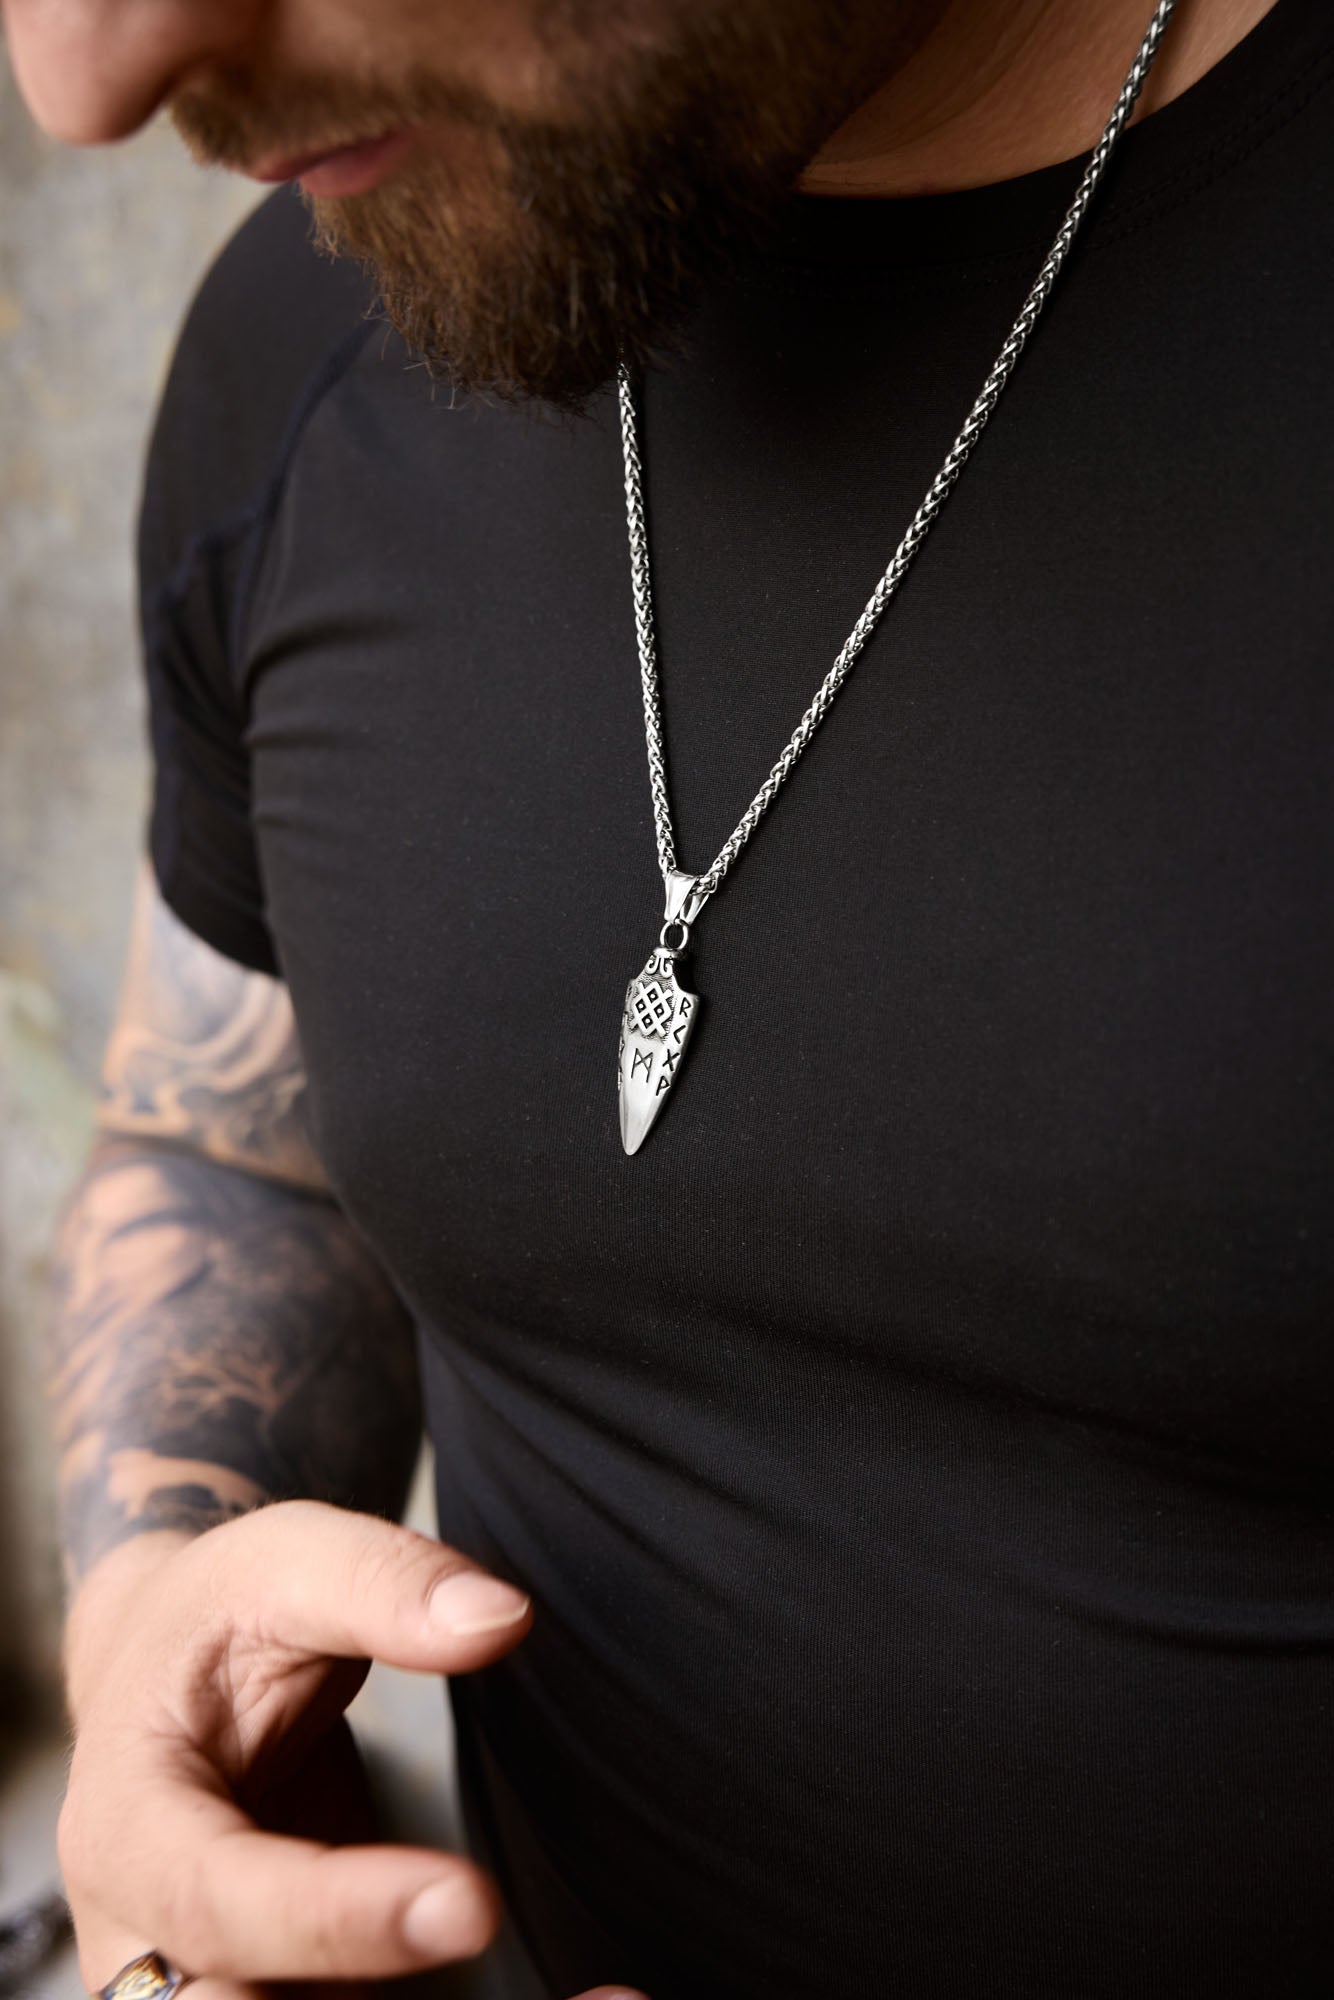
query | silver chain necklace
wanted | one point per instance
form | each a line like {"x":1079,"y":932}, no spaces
{"x":659,"y":1014}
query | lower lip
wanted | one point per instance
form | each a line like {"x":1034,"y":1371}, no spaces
{"x":353,"y":169}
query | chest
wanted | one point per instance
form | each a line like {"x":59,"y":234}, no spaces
{"x":1014,"y":1054}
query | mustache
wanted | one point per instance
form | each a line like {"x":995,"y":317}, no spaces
{"x":242,"y":119}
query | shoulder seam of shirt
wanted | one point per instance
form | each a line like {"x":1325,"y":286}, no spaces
{"x":263,"y":511}
{"x":256,"y":514}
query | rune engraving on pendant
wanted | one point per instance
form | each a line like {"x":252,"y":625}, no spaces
{"x":656,"y":1024}
{"x":655,"y":1029}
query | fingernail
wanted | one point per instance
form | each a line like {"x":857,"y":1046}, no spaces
{"x":470,"y":1602}
{"x":431,"y":1922}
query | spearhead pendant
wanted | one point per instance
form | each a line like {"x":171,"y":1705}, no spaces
{"x":657,"y":1022}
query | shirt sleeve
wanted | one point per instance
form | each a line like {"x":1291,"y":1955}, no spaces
{"x":259,"y":335}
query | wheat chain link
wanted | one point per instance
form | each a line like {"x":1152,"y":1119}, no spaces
{"x":937,"y":493}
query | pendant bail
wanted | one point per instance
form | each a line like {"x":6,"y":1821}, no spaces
{"x":684,"y":902}
{"x":683,"y":905}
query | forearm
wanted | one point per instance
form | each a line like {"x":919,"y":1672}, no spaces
{"x":220,"y":1339}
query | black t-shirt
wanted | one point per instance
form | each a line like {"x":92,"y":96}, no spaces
{"x":922,"y":1452}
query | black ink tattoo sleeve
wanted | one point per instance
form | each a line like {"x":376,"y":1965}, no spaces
{"x":222,"y":1336}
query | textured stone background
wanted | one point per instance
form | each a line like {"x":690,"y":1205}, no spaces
{"x":99,"y":253}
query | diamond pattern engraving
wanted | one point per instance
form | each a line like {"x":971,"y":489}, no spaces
{"x":656,"y":1024}
{"x":652,"y":1007}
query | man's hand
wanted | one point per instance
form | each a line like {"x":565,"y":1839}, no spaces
{"x":214,"y":1787}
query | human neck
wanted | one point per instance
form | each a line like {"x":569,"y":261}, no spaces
{"x":999,"y":88}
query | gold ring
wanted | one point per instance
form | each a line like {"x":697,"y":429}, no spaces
{"x":148,"y":1977}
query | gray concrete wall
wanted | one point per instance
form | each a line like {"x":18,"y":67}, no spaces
{"x":99,"y":253}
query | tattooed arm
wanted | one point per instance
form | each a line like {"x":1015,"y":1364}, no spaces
{"x":222,"y":1336}
{"x":225,"y":1339}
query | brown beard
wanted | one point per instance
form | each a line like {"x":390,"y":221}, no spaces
{"x":528,"y":257}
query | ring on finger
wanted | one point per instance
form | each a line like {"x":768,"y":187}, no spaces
{"x":148,"y":1977}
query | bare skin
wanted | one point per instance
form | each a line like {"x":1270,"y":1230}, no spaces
{"x":222,"y":1337}
{"x":982,"y":89}
{"x":463,"y":154}
{"x":231,"y":1374}
{"x":205,"y":1052}
{"x":235,"y":1398}
{"x":1003,"y":87}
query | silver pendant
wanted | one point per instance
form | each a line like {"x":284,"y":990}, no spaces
{"x":657,"y":1021}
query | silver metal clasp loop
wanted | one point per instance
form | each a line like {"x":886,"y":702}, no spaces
{"x":683,"y":905}
{"x":683,"y":900}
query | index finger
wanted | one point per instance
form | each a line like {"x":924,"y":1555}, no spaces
{"x":320,"y":1578}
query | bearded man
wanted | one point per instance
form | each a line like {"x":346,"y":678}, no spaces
{"x":886,"y":1477}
